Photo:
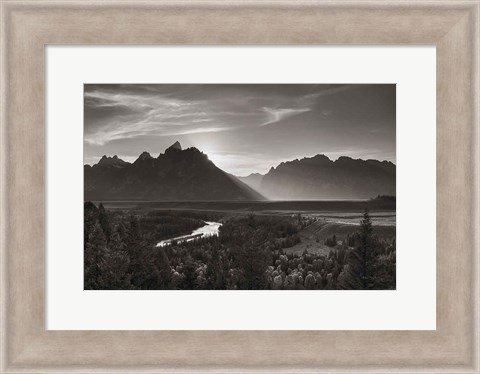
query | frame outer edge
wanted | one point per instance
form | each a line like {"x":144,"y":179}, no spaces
{"x":3,"y":187}
{"x":476,"y":191}
{"x":5,"y":205}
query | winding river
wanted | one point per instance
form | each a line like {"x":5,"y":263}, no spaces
{"x":210,"y":229}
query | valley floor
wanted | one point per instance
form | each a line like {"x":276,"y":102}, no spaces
{"x":256,"y":245}
{"x":313,"y":236}
{"x":340,"y":218}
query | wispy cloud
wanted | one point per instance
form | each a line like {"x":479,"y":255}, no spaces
{"x":278,"y":114}
{"x":114,"y":112}
{"x":114,"y":116}
{"x":304,"y":104}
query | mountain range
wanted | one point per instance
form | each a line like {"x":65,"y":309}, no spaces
{"x":188,"y":174}
{"x":319,"y":177}
{"x":174,"y":175}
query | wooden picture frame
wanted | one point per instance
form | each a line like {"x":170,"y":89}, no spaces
{"x":28,"y":26}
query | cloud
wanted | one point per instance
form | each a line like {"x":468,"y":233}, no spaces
{"x":276,"y":115}
{"x":111,"y":116}
{"x":114,"y":112}
{"x":138,"y":130}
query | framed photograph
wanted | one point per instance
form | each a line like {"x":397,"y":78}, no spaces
{"x":236,"y":216}
{"x":240,"y":186}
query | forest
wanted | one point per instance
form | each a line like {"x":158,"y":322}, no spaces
{"x":120,"y":253}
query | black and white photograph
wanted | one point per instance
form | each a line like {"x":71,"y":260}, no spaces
{"x":239,"y":187}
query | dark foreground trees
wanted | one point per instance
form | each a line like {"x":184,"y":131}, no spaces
{"x":358,"y":272}
{"x":370,"y":264}
{"x":250,"y":253}
{"x":117,"y":256}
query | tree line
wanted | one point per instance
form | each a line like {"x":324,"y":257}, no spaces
{"x":249,"y":253}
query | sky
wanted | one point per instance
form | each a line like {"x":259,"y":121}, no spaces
{"x":243,"y":128}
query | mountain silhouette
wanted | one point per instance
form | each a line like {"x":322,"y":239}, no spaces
{"x":174,"y":175}
{"x":319,"y":177}
{"x":112,"y":162}
{"x":176,"y":145}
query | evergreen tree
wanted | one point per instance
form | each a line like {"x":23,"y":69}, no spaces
{"x":132,"y":238}
{"x":162,"y":263}
{"x":366,"y":247}
{"x":142,"y":269}
{"x":189,"y":272}
{"x":253,"y":258}
{"x":90,"y":217}
{"x":93,"y":256}
{"x":115,"y":263}
{"x":331,"y":242}
{"x":104,"y":221}
{"x":133,"y":232}
{"x":385,"y":268}
{"x":216,"y":276}
{"x":358,"y":273}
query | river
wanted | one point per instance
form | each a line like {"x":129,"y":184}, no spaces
{"x":210,"y":229}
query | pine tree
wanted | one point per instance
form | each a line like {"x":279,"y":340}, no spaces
{"x":366,"y":246}
{"x":359,"y":268}
{"x":385,"y":267}
{"x":94,"y":252}
{"x":142,"y":269}
{"x":216,"y":272}
{"x":164,"y":270}
{"x":189,"y":272}
{"x":253,"y":258}
{"x":104,"y":221}
{"x":90,"y":217}
{"x":133,"y":232}
{"x":115,"y":263}
{"x":132,"y":238}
